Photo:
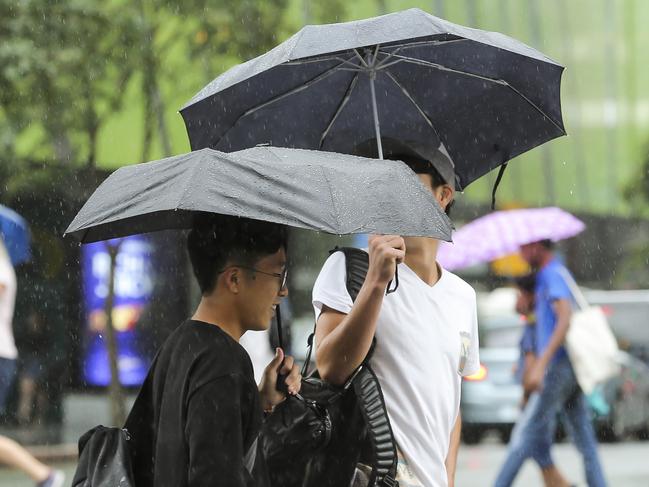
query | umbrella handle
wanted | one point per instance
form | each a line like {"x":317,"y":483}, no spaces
{"x":280,"y":385}
{"x":396,"y":282}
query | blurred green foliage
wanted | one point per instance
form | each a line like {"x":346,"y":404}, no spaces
{"x":86,"y":83}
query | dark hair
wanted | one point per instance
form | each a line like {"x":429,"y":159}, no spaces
{"x":217,"y":240}
{"x":547,"y":243}
{"x":421,"y":166}
{"x":526,"y":283}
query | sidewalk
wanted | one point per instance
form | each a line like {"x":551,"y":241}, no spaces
{"x":59,"y":443}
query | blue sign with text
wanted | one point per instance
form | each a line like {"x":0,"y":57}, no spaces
{"x":134,"y":285}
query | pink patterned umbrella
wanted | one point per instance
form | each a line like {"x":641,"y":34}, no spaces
{"x":503,"y":232}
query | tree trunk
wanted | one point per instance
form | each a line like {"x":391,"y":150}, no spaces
{"x":115,"y":393}
{"x":151,"y":87}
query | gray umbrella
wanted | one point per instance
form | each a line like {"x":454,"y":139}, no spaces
{"x":322,"y":191}
{"x":408,"y":76}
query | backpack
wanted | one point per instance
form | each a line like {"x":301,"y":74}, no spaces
{"x":113,"y":457}
{"x":317,"y":438}
{"x":104,"y":459}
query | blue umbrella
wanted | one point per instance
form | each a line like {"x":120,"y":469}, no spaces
{"x":14,"y":231}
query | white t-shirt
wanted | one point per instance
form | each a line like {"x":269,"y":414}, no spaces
{"x":257,"y":344}
{"x":426,"y":340}
{"x":7,"y":303}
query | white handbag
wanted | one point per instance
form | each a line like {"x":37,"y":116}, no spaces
{"x":591,"y":345}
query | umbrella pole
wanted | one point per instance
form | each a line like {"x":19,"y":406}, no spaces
{"x":379,"y":146}
{"x":375,"y":112}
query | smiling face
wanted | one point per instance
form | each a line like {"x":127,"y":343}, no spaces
{"x":260,"y":292}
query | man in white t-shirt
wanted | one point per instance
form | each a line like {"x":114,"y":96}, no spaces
{"x":426,"y":333}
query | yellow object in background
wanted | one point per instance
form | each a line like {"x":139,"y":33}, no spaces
{"x":511,"y":265}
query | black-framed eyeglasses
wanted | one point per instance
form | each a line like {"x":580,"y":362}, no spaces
{"x":283,"y":276}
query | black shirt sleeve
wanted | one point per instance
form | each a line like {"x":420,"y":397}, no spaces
{"x":217,"y":422}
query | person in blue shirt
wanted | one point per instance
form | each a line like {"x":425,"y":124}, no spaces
{"x":552,"y":375}
{"x":518,"y":442}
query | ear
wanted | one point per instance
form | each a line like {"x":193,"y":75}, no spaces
{"x":232,"y":280}
{"x":444,"y":194}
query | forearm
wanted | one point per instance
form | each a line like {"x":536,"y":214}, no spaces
{"x":454,"y":447}
{"x":344,"y":348}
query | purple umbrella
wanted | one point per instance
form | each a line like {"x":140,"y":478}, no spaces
{"x":503,"y":232}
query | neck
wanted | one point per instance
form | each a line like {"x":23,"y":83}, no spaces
{"x":215,"y":312}
{"x":421,"y":257}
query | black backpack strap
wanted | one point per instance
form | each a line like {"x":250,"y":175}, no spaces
{"x":367,"y":388}
{"x":379,"y":431}
{"x":357,"y":262}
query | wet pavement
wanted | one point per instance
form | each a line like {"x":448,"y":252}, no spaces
{"x":625,"y":465}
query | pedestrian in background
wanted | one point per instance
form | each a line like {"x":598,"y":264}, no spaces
{"x":11,"y":453}
{"x":541,"y":454}
{"x":552,"y":374}
{"x":32,"y":370}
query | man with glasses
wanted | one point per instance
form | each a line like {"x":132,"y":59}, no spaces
{"x":198,"y":415}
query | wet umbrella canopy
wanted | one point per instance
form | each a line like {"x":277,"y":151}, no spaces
{"x":322,"y":191}
{"x":408,"y":75}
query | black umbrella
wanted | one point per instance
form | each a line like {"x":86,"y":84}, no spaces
{"x":316,"y":190}
{"x":408,"y":76}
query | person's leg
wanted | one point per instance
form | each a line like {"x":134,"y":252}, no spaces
{"x":27,"y":387}
{"x":14,"y":455}
{"x":531,"y":437}
{"x":7,"y":377}
{"x":583,"y":435}
{"x":11,"y":453}
{"x":552,"y":477}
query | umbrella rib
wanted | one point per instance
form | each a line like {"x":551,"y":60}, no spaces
{"x":277,"y":98}
{"x":441,"y":67}
{"x":321,"y":59}
{"x":342,"y":104}
{"x":434,"y":42}
{"x":387,"y":65}
{"x":387,"y":57}
{"x":539,"y":109}
{"x":358,"y":55}
{"x":412,"y":100}
{"x":501,"y":82}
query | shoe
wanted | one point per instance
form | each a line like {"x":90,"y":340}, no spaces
{"x":54,"y":479}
